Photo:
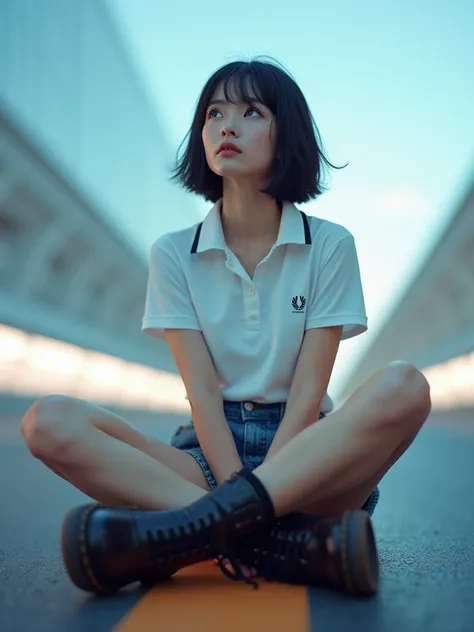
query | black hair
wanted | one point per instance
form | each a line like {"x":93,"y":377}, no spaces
{"x":296,"y":172}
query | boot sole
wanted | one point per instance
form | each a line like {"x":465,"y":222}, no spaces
{"x":74,"y":551}
{"x":360,"y":561}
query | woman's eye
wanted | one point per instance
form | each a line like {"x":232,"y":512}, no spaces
{"x":253,"y":109}
{"x":212,"y":113}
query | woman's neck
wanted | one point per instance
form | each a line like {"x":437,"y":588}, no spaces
{"x":249,"y":216}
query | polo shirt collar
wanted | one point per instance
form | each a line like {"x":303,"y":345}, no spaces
{"x":294,"y":229}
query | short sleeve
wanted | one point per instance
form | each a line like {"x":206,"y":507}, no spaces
{"x":337,"y":297}
{"x":168,"y":302}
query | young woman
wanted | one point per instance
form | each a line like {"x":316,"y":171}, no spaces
{"x":253,"y":302}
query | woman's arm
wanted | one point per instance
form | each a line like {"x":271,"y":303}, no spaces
{"x":197,"y":371}
{"x":336,"y":309}
{"x":310,"y":381}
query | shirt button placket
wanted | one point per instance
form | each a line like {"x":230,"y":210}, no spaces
{"x":253,"y":317}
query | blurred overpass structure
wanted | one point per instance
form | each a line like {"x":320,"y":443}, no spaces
{"x":433,"y":324}
{"x":84,"y":192}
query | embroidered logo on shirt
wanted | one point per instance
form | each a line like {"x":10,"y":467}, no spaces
{"x":298,"y":307}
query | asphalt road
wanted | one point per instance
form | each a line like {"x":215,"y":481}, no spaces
{"x":424,"y":526}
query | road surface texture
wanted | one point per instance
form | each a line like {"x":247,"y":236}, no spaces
{"x":424,"y":526}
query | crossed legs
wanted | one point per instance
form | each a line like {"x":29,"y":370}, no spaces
{"x":331,"y":466}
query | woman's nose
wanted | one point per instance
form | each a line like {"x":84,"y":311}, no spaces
{"x":227,"y":130}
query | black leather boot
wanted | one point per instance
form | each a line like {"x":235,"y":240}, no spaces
{"x":106,"y":548}
{"x":305,"y":549}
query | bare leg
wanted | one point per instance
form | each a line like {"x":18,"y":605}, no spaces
{"x":107,"y":458}
{"x":354,"y":498}
{"x":335,"y":463}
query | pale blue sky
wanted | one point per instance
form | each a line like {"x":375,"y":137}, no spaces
{"x":390,"y":84}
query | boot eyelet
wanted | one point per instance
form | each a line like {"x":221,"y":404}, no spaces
{"x":330,"y":546}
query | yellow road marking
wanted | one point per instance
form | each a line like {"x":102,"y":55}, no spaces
{"x":201,"y":599}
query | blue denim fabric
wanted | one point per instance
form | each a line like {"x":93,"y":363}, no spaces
{"x":253,"y":431}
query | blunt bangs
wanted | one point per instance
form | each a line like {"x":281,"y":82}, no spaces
{"x":299,"y":161}
{"x":244,"y":83}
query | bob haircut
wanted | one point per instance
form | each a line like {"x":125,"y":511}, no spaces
{"x":295,"y":175}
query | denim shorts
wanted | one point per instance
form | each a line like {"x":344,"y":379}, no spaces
{"x":253,"y":427}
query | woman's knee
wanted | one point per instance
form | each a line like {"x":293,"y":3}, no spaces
{"x":403,"y":395}
{"x":52,"y":424}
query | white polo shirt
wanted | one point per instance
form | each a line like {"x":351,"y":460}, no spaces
{"x":254,"y":327}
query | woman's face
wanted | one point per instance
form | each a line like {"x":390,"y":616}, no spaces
{"x":250,"y":129}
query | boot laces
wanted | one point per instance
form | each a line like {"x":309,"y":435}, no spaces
{"x":237,"y":565}
{"x":174,"y":542}
{"x":160,"y":542}
{"x":279,"y":555}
